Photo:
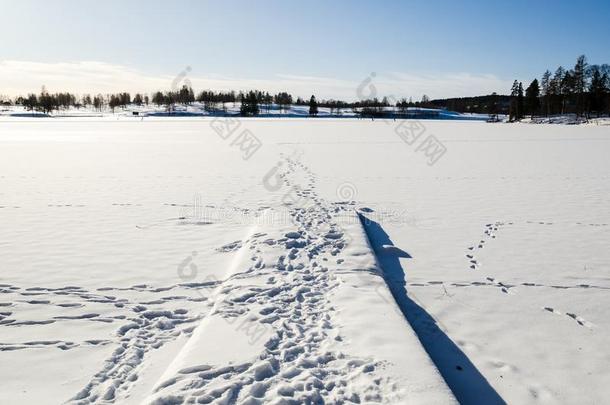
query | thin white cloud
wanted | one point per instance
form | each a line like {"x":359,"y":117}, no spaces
{"x":22,"y":77}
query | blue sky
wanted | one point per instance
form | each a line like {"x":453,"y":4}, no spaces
{"x":331,"y":46}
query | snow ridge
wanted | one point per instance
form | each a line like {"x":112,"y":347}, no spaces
{"x":283,"y":288}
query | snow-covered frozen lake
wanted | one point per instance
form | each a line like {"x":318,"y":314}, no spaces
{"x":177,"y":260}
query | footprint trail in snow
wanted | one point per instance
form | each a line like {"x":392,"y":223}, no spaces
{"x":282,"y":291}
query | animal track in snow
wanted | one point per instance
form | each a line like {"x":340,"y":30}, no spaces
{"x":505,"y":288}
{"x":579,"y":320}
{"x":489,"y":233}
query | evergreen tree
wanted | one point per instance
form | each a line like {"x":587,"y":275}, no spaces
{"x":556,"y":90}
{"x":580,"y":83}
{"x":546,"y":89}
{"x":567,"y":90}
{"x":249,"y":104}
{"x":520,"y":101}
{"x":313,"y":106}
{"x":268,"y":100}
{"x":532,"y":94}
{"x":158,"y":98}
{"x":185,"y":95}
{"x":255,"y":98}
{"x":513,"y":109}
{"x":606,"y":82}
{"x":597,"y":91}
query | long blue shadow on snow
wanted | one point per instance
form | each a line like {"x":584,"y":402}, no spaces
{"x":468,"y":385}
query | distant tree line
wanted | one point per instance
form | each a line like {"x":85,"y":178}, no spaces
{"x":583,"y":90}
{"x":490,"y":104}
{"x":47,"y":102}
{"x":252,"y":102}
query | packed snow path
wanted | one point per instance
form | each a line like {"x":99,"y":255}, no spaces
{"x":291,"y":341}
